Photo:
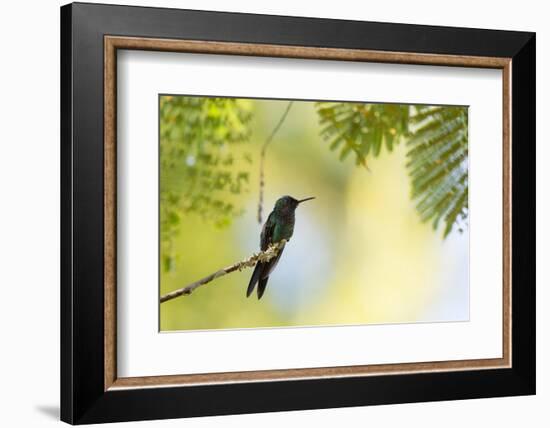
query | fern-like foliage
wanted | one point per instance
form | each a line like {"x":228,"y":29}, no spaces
{"x":438,"y":150}
{"x":198,"y":138}
{"x":362,"y":129}
{"x":438,"y":164}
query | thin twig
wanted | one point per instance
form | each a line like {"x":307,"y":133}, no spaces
{"x":263,"y":256}
{"x":262,"y":159}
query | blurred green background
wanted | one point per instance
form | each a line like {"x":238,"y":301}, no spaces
{"x":385,"y":240}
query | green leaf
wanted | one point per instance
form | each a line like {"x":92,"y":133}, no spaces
{"x":438,"y":164}
{"x":362,"y":128}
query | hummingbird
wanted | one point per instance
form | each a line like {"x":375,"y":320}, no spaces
{"x":278,"y":226}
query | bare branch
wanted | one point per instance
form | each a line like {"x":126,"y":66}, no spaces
{"x":262,"y":159}
{"x":263,"y":256}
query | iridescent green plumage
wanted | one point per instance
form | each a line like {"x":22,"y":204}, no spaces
{"x":278,"y":226}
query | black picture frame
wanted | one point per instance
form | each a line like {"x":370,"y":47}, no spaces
{"x":83,"y":396}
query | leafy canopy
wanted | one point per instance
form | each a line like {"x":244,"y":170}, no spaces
{"x":202,"y":139}
{"x":198,"y":141}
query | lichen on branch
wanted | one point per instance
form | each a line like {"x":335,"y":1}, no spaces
{"x":262,"y":256}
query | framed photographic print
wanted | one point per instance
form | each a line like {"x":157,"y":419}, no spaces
{"x":265,"y":213}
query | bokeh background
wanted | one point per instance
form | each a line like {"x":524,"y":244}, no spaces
{"x":363,"y":251}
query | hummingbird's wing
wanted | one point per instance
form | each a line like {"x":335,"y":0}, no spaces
{"x":261,"y":268}
{"x":266,"y":237}
{"x":266,"y":269}
{"x":270,"y":265}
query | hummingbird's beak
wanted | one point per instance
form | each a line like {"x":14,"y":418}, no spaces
{"x":306,"y":199}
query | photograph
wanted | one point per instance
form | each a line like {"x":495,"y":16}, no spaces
{"x":307,"y":213}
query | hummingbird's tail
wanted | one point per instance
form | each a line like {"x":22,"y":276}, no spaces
{"x":255,"y":278}
{"x":261,"y":286}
